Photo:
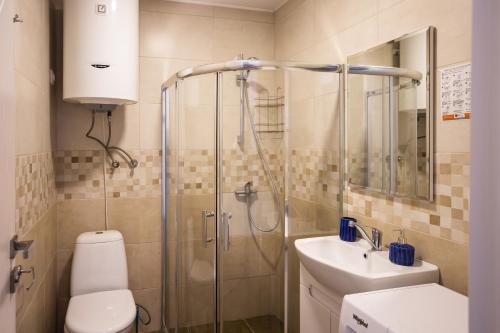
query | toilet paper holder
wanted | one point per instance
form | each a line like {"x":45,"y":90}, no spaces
{"x":15,"y":277}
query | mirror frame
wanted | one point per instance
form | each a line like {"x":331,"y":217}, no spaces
{"x":430,"y":76}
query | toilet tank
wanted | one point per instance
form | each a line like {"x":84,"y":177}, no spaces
{"x":99,"y":263}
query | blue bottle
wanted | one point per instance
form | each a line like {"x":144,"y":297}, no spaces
{"x":400,"y":252}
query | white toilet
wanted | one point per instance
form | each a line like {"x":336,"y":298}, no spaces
{"x":100,"y":299}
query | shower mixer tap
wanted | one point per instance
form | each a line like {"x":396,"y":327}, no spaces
{"x":246,"y":191}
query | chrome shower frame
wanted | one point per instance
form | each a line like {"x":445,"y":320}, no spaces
{"x":249,"y":65}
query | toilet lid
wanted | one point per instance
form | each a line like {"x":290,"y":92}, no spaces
{"x":102,"y":312}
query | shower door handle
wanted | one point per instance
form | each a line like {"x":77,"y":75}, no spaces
{"x":205,"y":214}
{"x":225,"y":227}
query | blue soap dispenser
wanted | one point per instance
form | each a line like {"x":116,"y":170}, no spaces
{"x":400,"y":252}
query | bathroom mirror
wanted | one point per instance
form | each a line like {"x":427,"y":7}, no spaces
{"x":389,"y":118}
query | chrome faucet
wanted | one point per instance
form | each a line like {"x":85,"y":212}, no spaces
{"x":376,"y":239}
{"x":246,"y":191}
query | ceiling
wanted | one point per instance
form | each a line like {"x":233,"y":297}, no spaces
{"x":262,"y":5}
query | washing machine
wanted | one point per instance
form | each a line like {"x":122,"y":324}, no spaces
{"x":428,"y":308}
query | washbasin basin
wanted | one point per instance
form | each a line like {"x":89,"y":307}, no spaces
{"x":353,"y":267}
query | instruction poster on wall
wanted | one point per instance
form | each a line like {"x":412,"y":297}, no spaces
{"x":456,"y":92}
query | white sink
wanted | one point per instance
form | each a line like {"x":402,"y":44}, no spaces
{"x":352,"y":267}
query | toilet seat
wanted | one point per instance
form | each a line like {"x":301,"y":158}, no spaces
{"x":102,"y":312}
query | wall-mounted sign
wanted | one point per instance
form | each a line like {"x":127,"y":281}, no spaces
{"x":456,"y":92}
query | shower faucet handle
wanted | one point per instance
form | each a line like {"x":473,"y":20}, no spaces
{"x":246,"y":190}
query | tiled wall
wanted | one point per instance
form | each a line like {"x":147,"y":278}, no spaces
{"x":329,"y":31}
{"x":324,"y":30}
{"x":173,"y":36}
{"x":35,"y":181}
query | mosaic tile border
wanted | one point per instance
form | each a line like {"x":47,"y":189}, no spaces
{"x":143,"y":181}
{"x":80,"y":175}
{"x":35,"y":189}
{"x":314,"y":176}
{"x":197,"y":170}
{"x":447,"y":217}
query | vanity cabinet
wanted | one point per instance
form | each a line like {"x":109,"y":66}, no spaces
{"x":314,"y":316}
{"x":319,"y":309}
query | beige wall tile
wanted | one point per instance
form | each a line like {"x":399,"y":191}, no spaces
{"x":32,"y":63}
{"x":125,"y":130}
{"x":231,"y":37}
{"x":50,"y":299}
{"x":144,"y":265}
{"x":326,"y":122}
{"x":77,"y":216}
{"x":64,"y":260}
{"x":35,"y":308}
{"x":155,"y":71}
{"x":150,"y":269}
{"x":331,"y":17}
{"x":365,"y":34}
{"x":302,"y":123}
{"x":28,"y":40}
{"x":30,"y":126}
{"x":34,"y":318}
{"x":73,"y":122}
{"x":138,"y":219}
{"x":296,"y":32}
{"x":151,"y":299}
{"x":451,"y":18}
{"x":287,"y":9}
{"x":133,"y":266}
{"x":175,"y":36}
{"x":199,"y":130}
{"x":35,"y":140}
{"x":150,"y":128}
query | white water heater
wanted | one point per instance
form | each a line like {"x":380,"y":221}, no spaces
{"x":101,"y":51}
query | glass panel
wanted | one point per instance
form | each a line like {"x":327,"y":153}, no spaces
{"x":407,"y":140}
{"x":368,"y":133}
{"x":196,"y":223}
{"x":252,"y":224}
{"x":169,"y":244}
{"x":313,"y":158}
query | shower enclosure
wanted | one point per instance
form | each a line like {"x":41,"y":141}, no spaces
{"x":252,"y":160}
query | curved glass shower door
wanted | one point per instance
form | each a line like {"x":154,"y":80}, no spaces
{"x":231,"y":156}
{"x":196,"y":208}
{"x":225,"y":245}
{"x":252,"y":137}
